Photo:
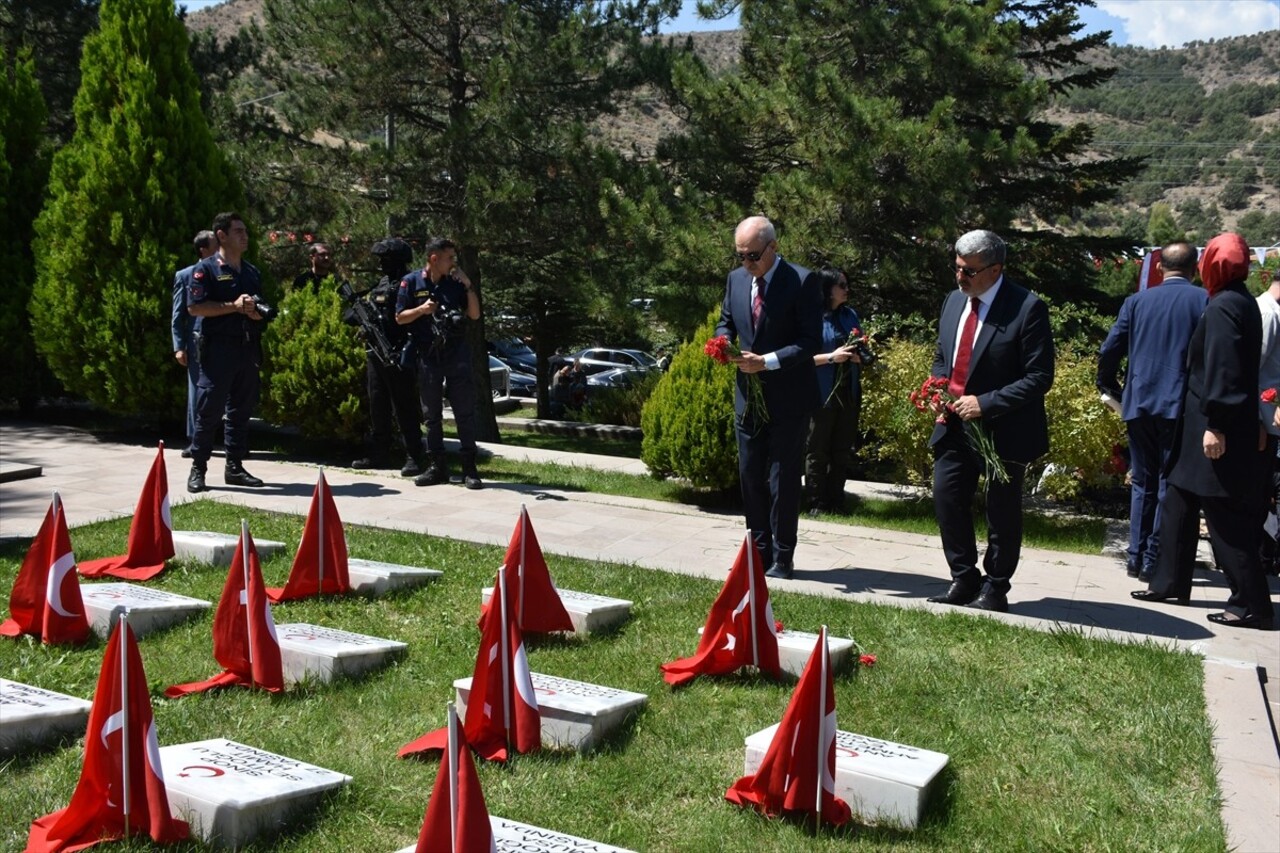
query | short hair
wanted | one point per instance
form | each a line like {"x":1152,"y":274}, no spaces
{"x":204,"y":240}
{"x":437,"y":245}
{"x":829,"y":278}
{"x":222,"y":222}
{"x":987,"y":245}
{"x":764,"y":228}
{"x":317,"y":247}
{"x":1179,"y":256}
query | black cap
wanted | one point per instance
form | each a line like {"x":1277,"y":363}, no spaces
{"x":393,"y":246}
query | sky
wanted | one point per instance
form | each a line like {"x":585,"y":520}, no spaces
{"x":1143,"y":23}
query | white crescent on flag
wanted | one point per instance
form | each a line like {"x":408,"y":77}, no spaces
{"x":524,"y":680}
{"x":53,"y":583}
{"x":730,"y":641}
{"x":164,"y":511}
{"x":742,"y":605}
{"x":114,"y":724}
{"x":153,"y":751}
{"x":271,"y":623}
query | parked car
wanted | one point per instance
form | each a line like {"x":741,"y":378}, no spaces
{"x":499,"y":378}
{"x":614,"y":377}
{"x":523,"y":384}
{"x":597,"y":359}
{"x":514,"y":353}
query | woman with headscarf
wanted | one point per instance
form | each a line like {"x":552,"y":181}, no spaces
{"x":1218,"y":461}
{"x":834,"y":428}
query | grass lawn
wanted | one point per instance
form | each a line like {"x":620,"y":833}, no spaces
{"x":1057,"y":742}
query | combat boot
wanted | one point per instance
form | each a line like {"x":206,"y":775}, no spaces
{"x":367,"y":462}
{"x":414,"y":464}
{"x":235,"y":475}
{"x":195,"y":480}
{"x":437,"y":472}
{"x":470,"y":476}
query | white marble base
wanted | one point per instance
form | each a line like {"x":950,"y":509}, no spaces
{"x":374,"y":578}
{"x":216,"y":548}
{"x":323,"y":654}
{"x":883,"y":782}
{"x":231,"y":793}
{"x":589,"y":613}
{"x":511,"y":836}
{"x":149,"y":609}
{"x":795,"y":647}
{"x":31,"y":716}
{"x":575,"y":714}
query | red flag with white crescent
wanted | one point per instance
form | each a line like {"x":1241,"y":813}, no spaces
{"x":457,"y":820}
{"x":320,"y":566}
{"x":150,"y":534}
{"x":534,"y":598}
{"x":45,"y":601}
{"x":121,"y":788}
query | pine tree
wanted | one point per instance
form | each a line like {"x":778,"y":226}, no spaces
{"x":140,"y":176}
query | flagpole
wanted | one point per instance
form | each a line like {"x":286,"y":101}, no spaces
{"x":751,"y":600}
{"x":822,"y":719}
{"x":453,"y":779}
{"x":320,"y":498}
{"x":124,"y":714}
{"x":57,"y":505}
{"x":524,"y":535}
{"x":506,"y":657}
{"x":248,"y":605}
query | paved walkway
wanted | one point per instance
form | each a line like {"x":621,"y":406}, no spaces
{"x":99,"y":480}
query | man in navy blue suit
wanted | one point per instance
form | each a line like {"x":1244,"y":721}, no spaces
{"x":1153,"y":330}
{"x":996,"y":349}
{"x":774,"y":311}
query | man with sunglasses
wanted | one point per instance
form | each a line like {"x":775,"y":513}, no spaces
{"x":773,"y":309}
{"x":996,"y":349}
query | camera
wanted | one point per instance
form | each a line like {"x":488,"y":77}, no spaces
{"x":266,"y":311}
{"x":865,"y":355}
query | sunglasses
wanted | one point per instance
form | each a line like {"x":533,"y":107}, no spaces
{"x":968,"y":272}
{"x":753,"y":257}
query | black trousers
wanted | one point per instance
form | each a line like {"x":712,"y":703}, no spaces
{"x":448,"y":373}
{"x":228,"y":383}
{"x":956,"y":468}
{"x":393,"y":392}
{"x":770,"y":461}
{"x":832,"y":436}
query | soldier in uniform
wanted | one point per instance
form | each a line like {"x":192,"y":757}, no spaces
{"x":392,"y":384}
{"x":432,"y":303}
{"x":184,"y":351}
{"x":224,"y":296}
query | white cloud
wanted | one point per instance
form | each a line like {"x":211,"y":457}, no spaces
{"x":1173,"y":23}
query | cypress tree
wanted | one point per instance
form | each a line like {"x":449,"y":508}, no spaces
{"x":140,"y":176}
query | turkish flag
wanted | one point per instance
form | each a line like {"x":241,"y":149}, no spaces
{"x":502,"y":710}
{"x":740,"y":630}
{"x":457,"y":820}
{"x":45,"y":601}
{"x":244,"y":634}
{"x":150,"y":534}
{"x":320,"y":566}
{"x":533,"y":596}
{"x":121,"y":789}
{"x":1151,"y":274}
{"x":802,"y":752}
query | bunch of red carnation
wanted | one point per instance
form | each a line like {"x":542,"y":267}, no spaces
{"x":932,"y":396}
{"x":929,"y":397}
{"x":723,"y":351}
{"x":1269,"y":395}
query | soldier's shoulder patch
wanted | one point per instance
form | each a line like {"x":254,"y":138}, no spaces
{"x":198,"y":274}
{"x":197,"y":291}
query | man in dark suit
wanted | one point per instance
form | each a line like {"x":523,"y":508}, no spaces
{"x":774,"y":311}
{"x":996,"y":348}
{"x":1153,"y":330}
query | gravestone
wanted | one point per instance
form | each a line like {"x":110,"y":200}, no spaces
{"x":512,"y":836}
{"x":589,"y":613}
{"x":374,"y":578}
{"x":883,"y":782}
{"x":231,"y":793}
{"x":575,"y":714}
{"x":216,"y":548}
{"x":323,"y":654}
{"x":32,"y":716}
{"x":795,"y":647}
{"x":149,"y":609}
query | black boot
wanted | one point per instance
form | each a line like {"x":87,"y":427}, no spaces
{"x":437,"y":472}
{"x":235,"y":475}
{"x":195,"y":480}
{"x":470,"y":476}
{"x":414,"y":464}
{"x":371,"y":461}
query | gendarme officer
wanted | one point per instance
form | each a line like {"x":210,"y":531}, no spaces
{"x":223,"y":296}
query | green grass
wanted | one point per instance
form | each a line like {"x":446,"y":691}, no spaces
{"x":1057,"y":742}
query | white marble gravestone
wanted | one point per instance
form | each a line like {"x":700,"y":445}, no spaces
{"x":323,"y":654}
{"x":230,"y":793}
{"x":883,"y":782}
{"x":216,"y":548}
{"x":375,"y":578}
{"x":589,"y":613}
{"x":795,"y":647}
{"x":149,"y":609}
{"x":575,"y":714}
{"x":30,"y":716}
{"x":512,"y":836}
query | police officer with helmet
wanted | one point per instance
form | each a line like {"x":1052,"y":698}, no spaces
{"x":392,"y":375}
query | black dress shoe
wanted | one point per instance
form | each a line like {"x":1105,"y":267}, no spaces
{"x":1153,"y":597}
{"x":1132,"y":571}
{"x":781,"y":571}
{"x":235,"y":475}
{"x":1231,"y":620}
{"x":412,"y":466}
{"x":195,"y":480}
{"x":959,"y":594}
{"x":991,"y":600}
{"x":368,"y":462}
{"x":186,"y":453}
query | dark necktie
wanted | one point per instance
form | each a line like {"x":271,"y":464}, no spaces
{"x":757,"y":303}
{"x":960,"y":371}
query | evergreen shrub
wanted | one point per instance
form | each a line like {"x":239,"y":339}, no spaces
{"x":688,"y":421}
{"x":621,"y":406}
{"x":1083,"y":433}
{"x":896,"y":432}
{"x":314,"y":368}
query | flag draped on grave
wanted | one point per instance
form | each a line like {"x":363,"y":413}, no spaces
{"x":244,"y":634}
{"x":457,"y":820}
{"x":533,"y":595}
{"x":121,"y":790}
{"x":740,"y":630}
{"x":798,"y":772}
{"x":320,"y":566}
{"x":45,"y":601}
{"x":150,"y":534}
{"x":502,"y":710}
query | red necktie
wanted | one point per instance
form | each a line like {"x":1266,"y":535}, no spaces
{"x":757,"y":303}
{"x":960,"y":371}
